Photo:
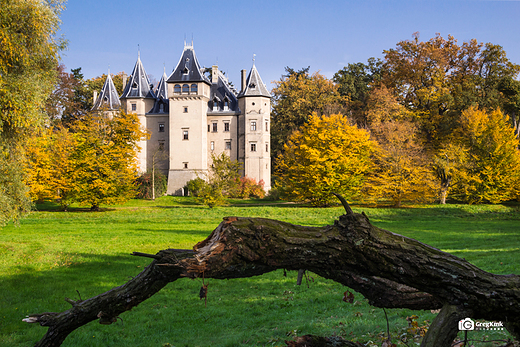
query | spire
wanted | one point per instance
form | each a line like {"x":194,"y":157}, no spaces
{"x":108,"y":96}
{"x":162,"y":87}
{"x":161,"y":104}
{"x":254,"y":85}
{"x":188,"y":68}
{"x":139,"y":85}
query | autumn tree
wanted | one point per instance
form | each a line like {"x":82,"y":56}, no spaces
{"x":450,"y":166}
{"x":296,"y":96}
{"x":105,"y":158}
{"x":28,"y":60}
{"x":492,"y":170}
{"x":400,"y":169}
{"x":439,"y":78}
{"x":49,"y":165}
{"x":327,"y":154}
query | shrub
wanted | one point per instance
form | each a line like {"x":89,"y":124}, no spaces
{"x":195,"y":186}
{"x":144,"y":185}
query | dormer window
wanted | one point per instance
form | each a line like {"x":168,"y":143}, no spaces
{"x":215,"y":104}
{"x":185,"y":70}
{"x":185,"y":88}
{"x":177,"y":89}
{"x":134,"y":85}
{"x":226,"y":104}
{"x":252,"y":85}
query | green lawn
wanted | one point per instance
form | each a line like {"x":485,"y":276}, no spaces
{"x":53,"y":255}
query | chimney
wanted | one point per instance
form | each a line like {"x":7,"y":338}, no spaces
{"x":95,"y":97}
{"x":124,"y":80}
{"x":214,"y":74}
{"x":244,"y":77}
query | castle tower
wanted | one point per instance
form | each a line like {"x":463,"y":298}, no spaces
{"x":138,"y":97}
{"x":188,"y":92}
{"x":255,"y":120}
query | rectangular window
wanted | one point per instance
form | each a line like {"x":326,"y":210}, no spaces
{"x":267,"y":147}
{"x":253,"y":147}
{"x":161,"y":145}
{"x":228,"y":144}
{"x":161,"y":127}
{"x":226,"y":126}
{"x":185,"y":165}
{"x":253,"y":125}
{"x":209,"y":128}
{"x":266,"y":126}
{"x":185,"y":109}
{"x":134,"y":107}
{"x":212,"y":145}
{"x":185,"y":135}
{"x":215,"y":126}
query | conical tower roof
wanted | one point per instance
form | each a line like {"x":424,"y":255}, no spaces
{"x":254,"y":85}
{"x":139,"y":85}
{"x":188,"y":68}
{"x":162,"y":87}
{"x":108,"y":96}
{"x":161,"y":104}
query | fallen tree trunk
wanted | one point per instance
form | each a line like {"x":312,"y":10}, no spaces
{"x":390,"y":270}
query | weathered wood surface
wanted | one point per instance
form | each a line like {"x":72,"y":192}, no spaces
{"x":390,"y":270}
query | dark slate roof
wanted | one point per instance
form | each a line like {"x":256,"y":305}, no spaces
{"x":220,"y":91}
{"x":254,"y":85}
{"x":162,"y":97}
{"x":108,"y":96}
{"x":139,"y":85}
{"x":188,"y":68}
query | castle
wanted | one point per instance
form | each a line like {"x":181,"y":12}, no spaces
{"x":191,"y":116}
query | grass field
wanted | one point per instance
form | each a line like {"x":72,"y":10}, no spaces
{"x":52,"y":255}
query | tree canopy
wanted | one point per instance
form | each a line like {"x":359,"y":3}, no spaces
{"x":28,"y":60}
{"x":327,"y":154}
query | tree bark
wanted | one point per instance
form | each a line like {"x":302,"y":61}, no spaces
{"x":391,"y":270}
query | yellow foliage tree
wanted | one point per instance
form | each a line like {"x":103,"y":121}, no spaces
{"x":49,"y":166}
{"x":326,"y":155}
{"x":297,"y":96}
{"x":492,"y":171}
{"x":105,"y":158}
{"x":28,"y":59}
{"x":400,"y":172}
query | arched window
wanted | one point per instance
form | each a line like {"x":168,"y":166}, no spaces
{"x":194,"y":88}
{"x":177,"y":88}
{"x":185,"y":88}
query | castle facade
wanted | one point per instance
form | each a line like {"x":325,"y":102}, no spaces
{"x":190,"y":116}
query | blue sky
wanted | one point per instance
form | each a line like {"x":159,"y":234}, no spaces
{"x":325,"y":35}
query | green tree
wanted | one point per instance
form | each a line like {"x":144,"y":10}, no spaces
{"x":105,"y":158}
{"x":297,"y":96}
{"x":222,"y":179}
{"x":355,"y":82}
{"x":327,"y":154}
{"x":28,"y":60}
{"x":492,"y":171}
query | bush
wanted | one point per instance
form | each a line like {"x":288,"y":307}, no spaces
{"x":248,"y":188}
{"x":195,"y":186}
{"x":144,"y":185}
